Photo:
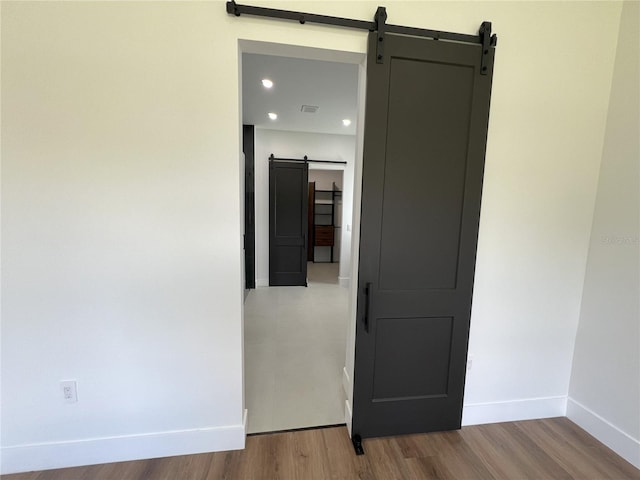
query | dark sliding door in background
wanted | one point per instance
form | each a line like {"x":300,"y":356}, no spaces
{"x":427,"y":112}
{"x":288,"y":198}
{"x":310,"y":220}
{"x":248,"y":147}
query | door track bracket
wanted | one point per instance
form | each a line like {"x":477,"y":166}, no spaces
{"x":487,"y":40}
{"x":380,"y":21}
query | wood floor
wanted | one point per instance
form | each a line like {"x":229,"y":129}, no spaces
{"x":535,"y":449}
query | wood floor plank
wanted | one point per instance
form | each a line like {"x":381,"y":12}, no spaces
{"x":506,"y":437}
{"x":304,"y":455}
{"x":609,"y":462}
{"x":461,"y":460}
{"x":537,"y":457}
{"x":546,"y":449}
{"x":443,"y":455}
{"x":495,"y":457}
{"x":230,"y":464}
{"x":564,"y":452}
{"x":427,"y":468}
{"x":419,"y":446}
{"x":385,"y":459}
{"x":342,"y":463}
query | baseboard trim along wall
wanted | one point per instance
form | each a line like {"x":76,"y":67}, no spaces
{"x":347,"y":387}
{"x":514,"y":410}
{"x":342,"y":281}
{"x":617,"y":440}
{"x":93,"y":451}
{"x":346,"y":382}
{"x":348,"y":416}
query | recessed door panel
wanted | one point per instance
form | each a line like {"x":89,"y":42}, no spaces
{"x":412,"y":358}
{"x":426,"y":153}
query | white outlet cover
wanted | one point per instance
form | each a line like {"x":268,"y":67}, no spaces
{"x":69,"y":391}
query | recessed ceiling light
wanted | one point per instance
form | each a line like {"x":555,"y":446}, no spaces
{"x":346,"y":122}
{"x":272,"y":116}
{"x":266,"y":83}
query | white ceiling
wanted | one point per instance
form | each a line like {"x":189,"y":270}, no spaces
{"x":330,"y":86}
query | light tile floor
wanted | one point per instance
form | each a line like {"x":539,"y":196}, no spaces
{"x":295,"y":343}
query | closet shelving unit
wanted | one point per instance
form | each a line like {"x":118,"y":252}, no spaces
{"x":326,"y":218}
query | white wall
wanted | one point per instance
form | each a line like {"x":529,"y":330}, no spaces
{"x":548,"y":113}
{"x":324,"y":179}
{"x":121,"y":219}
{"x":315,"y":146}
{"x":120,"y":235}
{"x":604,"y":396}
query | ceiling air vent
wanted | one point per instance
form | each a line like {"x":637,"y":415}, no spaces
{"x":309,"y":108}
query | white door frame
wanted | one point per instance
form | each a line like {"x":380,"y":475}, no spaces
{"x":297,"y":51}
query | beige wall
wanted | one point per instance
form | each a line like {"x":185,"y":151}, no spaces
{"x":121,"y":218}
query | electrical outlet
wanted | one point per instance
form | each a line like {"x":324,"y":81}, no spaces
{"x":69,"y":391}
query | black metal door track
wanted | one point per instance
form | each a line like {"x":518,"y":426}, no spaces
{"x":379,"y":25}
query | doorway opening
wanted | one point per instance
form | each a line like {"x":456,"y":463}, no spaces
{"x":299,"y":341}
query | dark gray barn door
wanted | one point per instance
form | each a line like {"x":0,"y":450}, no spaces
{"x":425,"y":135}
{"x":248,"y":147}
{"x":288,"y":197}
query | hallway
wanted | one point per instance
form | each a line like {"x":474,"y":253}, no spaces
{"x":295,"y":341}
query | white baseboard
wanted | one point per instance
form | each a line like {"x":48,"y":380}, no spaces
{"x":617,"y":440}
{"x":514,"y":410}
{"x":347,"y":387}
{"x":346,"y":382}
{"x":342,"y":281}
{"x":93,"y":451}
{"x":348,"y":416}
